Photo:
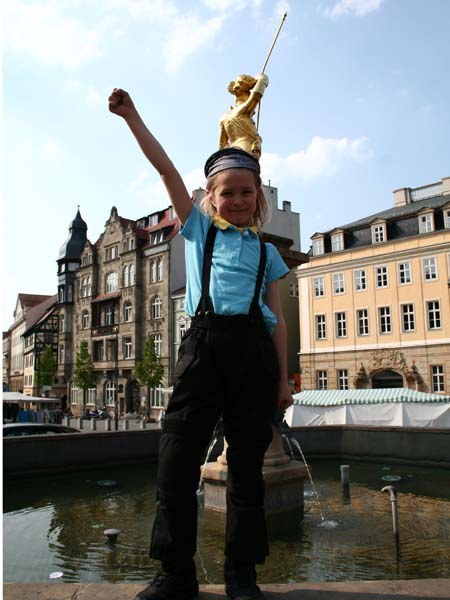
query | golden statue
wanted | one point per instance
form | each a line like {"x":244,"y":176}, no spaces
{"x":237,"y":127}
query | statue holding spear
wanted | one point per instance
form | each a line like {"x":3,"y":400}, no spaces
{"x":237,"y":127}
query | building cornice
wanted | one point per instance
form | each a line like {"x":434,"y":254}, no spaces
{"x":388,"y":256}
{"x":370,"y":347}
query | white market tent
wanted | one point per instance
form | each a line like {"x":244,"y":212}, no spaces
{"x":396,"y":407}
{"x":19,"y":397}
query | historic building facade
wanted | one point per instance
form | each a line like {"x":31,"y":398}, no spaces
{"x":25,"y":303}
{"x":374,"y":298}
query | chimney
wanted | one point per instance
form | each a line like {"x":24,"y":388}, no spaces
{"x":402,"y":197}
{"x":287,"y":205}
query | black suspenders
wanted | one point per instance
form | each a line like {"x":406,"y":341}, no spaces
{"x":205,"y":306}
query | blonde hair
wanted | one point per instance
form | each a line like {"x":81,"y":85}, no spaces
{"x":262,"y":213}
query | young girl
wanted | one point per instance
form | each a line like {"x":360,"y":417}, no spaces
{"x":231,"y":363}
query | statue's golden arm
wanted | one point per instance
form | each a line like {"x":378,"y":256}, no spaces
{"x":249,"y":106}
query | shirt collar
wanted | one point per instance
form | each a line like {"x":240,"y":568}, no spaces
{"x":223,"y":224}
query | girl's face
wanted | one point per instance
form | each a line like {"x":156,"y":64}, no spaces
{"x":234,"y":195}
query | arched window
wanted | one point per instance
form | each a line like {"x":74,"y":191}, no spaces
{"x":112,"y":282}
{"x":127,"y":312}
{"x":160,"y":269}
{"x":110,"y":393}
{"x":125,"y":278}
{"x":156,"y":308}
{"x":85,"y":319}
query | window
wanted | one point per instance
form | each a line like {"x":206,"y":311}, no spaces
{"x":86,"y":260}
{"x":127,"y":312}
{"x":156,"y":308}
{"x":85,"y":319}
{"x":341,"y":324}
{"x":181,"y":304}
{"x":321,"y":327}
{"x":160,"y":269}
{"x":338,"y":283}
{"x":378,"y":233}
{"x":181,"y":330}
{"x":384,"y":319}
{"x":153,"y":220}
{"x":156,"y":398}
{"x":429,"y":268}
{"x":342,"y":379}
{"x":293,"y":290}
{"x":61,"y":354}
{"x":319,"y":287}
{"x":157,"y":339}
{"x":437,"y":378}
{"x":73,"y":394}
{"x":408,"y":321}
{"x":86,"y":286}
{"x":447,"y":218}
{"x":111,"y":253}
{"x":128,"y":244}
{"x":317,"y":247}
{"x":360,"y":280}
{"x":109,"y":316}
{"x":337,"y":242}
{"x":434,"y":314}
{"x":157,"y":237}
{"x":129,"y":275}
{"x":98,"y":351}
{"x":111,"y":350}
{"x":110,"y":393}
{"x":91,"y":395}
{"x":69,"y":293}
{"x":426,"y":223}
{"x":404,"y":273}
{"x":153,"y":271}
{"x":321,"y":380}
{"x":362,"y":321}
{"x":156,"y":270}
{"x":381,"y":276}
{"x":61,"y":323}
{"x":112,"y":282}
{"x":127,"y":347}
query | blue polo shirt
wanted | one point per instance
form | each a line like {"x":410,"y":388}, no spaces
{"x":234,"y":268}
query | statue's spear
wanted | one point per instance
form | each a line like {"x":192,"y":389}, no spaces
{"x":267,"y":60}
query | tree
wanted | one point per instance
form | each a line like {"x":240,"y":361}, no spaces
{"x":150,"y":371}
{"x":46,"y":368}
{"x":84,"y":374}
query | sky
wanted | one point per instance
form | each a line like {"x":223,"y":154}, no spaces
{"x":357,"y":106}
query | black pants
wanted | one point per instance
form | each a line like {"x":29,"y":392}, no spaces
{"x":226,"y":366}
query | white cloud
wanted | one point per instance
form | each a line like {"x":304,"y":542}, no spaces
{"x":42,"y":32}
{"x":231,"y":5}
{"x":153,"y":194}
{"x":51,"y":149}
{"x":322,"y":158}
{"x":359,"y":8}
{"x":186,"y":36}
{"x":93,"y":96}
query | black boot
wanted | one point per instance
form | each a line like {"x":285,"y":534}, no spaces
{"x":173,"y":583}
{"x":240,"y":581}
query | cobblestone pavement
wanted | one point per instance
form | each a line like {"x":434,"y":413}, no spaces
{"x":418,"y":589}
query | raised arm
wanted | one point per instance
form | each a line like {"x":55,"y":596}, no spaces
{"x":121,"y":104}
{"x":256,"y":93}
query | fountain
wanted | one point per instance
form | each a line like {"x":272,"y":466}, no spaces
{"x":283,"y":478}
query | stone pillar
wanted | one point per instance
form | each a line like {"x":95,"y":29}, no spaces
{"x":283,"y":479}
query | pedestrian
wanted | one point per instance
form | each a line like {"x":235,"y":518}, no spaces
{"x":231,"y":364}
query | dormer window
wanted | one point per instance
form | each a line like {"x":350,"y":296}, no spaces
{"x":337,"y":242}
{"x":426,"y":223}
{"x":447,"y":218}
{"x":153,"y":220}
{"x":378,"y":233}
{"x":317,"y":246}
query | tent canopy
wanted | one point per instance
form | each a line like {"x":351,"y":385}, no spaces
{"x":396,"y":407}
{"x":19,"y":397}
